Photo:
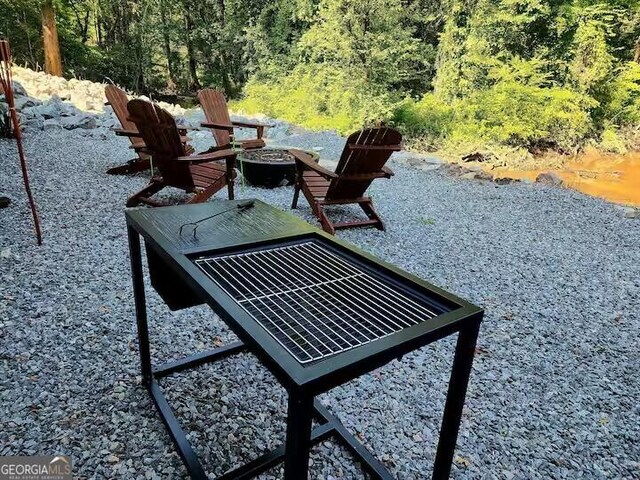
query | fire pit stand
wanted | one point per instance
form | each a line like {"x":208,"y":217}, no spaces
{"x":269,"y":167}
{"x":315,"y":311}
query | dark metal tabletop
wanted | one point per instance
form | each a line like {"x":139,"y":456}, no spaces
{"x":262,"y":233}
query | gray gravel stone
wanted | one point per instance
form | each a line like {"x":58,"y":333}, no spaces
{"x":555,"y":387}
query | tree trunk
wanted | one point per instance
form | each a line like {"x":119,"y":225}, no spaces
{"x":636,"y":54}
{"x":98,"y":24}
{"x":188,"y":24}
{"x":167,"y":45}
{"x":227,"y":83}
{"x":52,"y":58}
{"x":83,"y":24}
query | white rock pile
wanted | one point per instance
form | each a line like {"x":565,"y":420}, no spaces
{"x":47,"y":102}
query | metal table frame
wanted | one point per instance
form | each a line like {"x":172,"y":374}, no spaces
{"x":303,"y":384}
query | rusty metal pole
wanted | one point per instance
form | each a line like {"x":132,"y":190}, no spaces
{"x":6,"y":82}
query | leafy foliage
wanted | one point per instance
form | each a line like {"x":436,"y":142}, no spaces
{"x":508,"y":113}
{"x":623,"y":102}
{"x":351,"y":66}
{"x":512,"y":72}
{"x":319,"y":98}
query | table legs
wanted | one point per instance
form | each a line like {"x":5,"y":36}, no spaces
{"x":175,"y":432}
{"x":135,"y":254}
{"x":462,"y":362}
{"x":298,"y":442}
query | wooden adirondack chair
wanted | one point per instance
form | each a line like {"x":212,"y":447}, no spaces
{"x":218,"y":120}
{"x":362,"y":161}
{"x":194,"y":173}
{"x":117,"y":98}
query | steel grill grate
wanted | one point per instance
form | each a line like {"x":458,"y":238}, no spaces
{"x":312,"y":301}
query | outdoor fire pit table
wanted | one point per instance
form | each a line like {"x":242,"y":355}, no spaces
{"x":316,"y":311}
{"x":269,"y":167}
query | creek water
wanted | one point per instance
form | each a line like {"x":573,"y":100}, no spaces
{"x":614,"y":177}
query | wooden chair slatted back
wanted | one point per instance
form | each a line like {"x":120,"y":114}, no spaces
{"x":354,"y":162}
{"x":160,"y":133}
{"x":118,"y":100}
{"x":216,"y":111}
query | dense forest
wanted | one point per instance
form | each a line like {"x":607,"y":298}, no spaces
{"x":529,"y":74}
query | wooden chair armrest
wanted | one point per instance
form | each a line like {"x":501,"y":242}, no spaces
{"x":217,"y":126}
{"x":208,"y":157}
{"x":364,"y":176}
{"x":392,"y":148}
{"x":144,"y":149}
{"x":217,"y":148}
{"x":385,"y":172}
{"x":222,"y":126}
{"x":127,"y":133}
{"x":239,"y":123}
{"x":258,"y":126}
{"x":307,"y":162}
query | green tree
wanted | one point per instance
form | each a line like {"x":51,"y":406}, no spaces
{"x":370,"y":38}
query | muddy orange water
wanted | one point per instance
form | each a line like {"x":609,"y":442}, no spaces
{"x":613,"y":177}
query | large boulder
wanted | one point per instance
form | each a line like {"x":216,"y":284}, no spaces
{"x":107,"y":120}
{"x":53,"y":108}
{"x":51,"y":124}
{"x":549,"y":178}
{"x":183,"y":122}
{"x":78,"y":121}
{"x":26,"y":102}
{"x":278,"y":131}
{"x":47,"y":110}
{"x":32,"y":123}
{"x":5,"y":120}
{"x":18,"y":89}
{"x":480,"y":157}
{"x":631,"y":212}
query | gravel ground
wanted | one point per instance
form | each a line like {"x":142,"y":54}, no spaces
{"x":555,"y":389}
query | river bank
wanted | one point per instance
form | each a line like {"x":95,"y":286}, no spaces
{"x":613,"y":177}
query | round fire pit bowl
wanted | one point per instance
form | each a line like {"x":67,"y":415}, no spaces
{"x":269,"y":167}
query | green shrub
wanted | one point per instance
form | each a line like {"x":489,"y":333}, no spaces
{"x":430,"y":118}
{"x":623,"y":106}
{"x":611,"y":140}
{"x":592,"y":62}
{"x":509,"y":113}
{"x":520,"y":115}
{"x":317,"y":98}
